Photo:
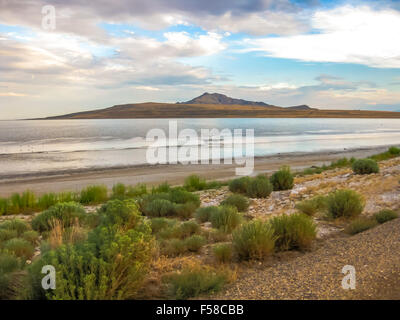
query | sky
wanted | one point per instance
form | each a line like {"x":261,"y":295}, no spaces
{"x":60,"y":56}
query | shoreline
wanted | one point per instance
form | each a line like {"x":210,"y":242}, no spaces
{"x":75,"y":180}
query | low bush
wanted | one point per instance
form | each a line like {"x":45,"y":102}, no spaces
{"x":254,"y":240}
{"x":311,"y":206}
{"x":182,"y":196}
{"x":47,"y":200}
{"x":162,"y":188}
{"x":385,"y":215}
{"x":18,"y":225}
{"x":119,"y":212}
{"x":226,"y":219}
{"x":136,"y":191}
{"x":360,"y":224}
{"x":8,"y":264}
{"x":185,"y":210}
{"x":110,"y":264}
{"x":365,"y":166}
{"x":204,"y":214}
{"x":344,"y":203}
{"x":194,"y":281}
{"x":158,"y":224}
{"x":31,"y":236}
{"x":215,"y":235}
{"x":188,"y":228}
{"x":195,"y":183}
{"x":173,"y":247}
{"x":94,"y":194}
{"x":67,"y":212}
{"x":282,"y":179}
{"x":6,"y":234}
{"x":118,"y":191}
{"x":295,"y":231}
{"x":236,"y":200}
{"x":394,"y":151}
{"x":160,"y":208}
{"x":239,"y":185}
{"x":194,"y":243}
{"x":259,"y":187}
{"x":223,"y":252}
{"x":19,"y":247}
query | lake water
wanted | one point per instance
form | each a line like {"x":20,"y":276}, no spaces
{"x":32,"y":147}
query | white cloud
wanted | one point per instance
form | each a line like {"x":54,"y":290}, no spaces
{"x":346,"y":35}
{"x":147,"y":88}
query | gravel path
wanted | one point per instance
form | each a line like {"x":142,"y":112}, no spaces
{"x":375,"y":254}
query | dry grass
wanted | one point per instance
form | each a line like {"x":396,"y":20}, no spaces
{"x":60,"y":235}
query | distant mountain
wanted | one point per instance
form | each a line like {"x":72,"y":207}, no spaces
{"x":218,"y":98}
{"x":217,"y":105}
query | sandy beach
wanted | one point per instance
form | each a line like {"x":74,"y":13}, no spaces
{"x":174,"y":174}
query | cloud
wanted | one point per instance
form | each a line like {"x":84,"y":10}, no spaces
{"x":346,"y":35}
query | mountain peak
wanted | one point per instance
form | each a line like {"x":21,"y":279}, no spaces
{"x":219,"y":98}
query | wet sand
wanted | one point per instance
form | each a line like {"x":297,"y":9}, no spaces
{"x":174,"y":174}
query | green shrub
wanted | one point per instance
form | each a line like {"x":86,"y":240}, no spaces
{"x":160,"y":208}
{"x":8,"y":264}
{"x":195,"y":183}
{"x":226,"y":219}
{"x":236,"y":200}
{"x":360,"y":224}
{"x":185,"y":210}
{"x":47,"y":200}
{"x":173,"y":247}
{"x":344,"y":203}
{"x":194,"y":243}
{"x":182,"y":196}
{"x":311,"y":206}
{"x":6,"y":234}
{"x":259,"y":187}
{"x":18,"y":225}
{"x":94,"y":194}
{"x":20,"y":247}
{"x":385,"y":215}
{"x":192,"y":282}
{"x":295,"y":231}
{"x":365,"y":166}
{"x":254,"y":240}
{"x":215,"y":235}
{"x":119,"y":212}
{"x":67,"y":197}
{"x":66,"y":212}
{"x":4,"y":206}
{"x":136,"y":191}
{"x":223,"y":252}
{"x":394,"y":151}
{"x":239,"y":185}
{"x":188,"y":228}
{"x":282,"y":179}
{"x":31,"y":236}
{"x":119,"y":191}
{"x":110,"y":264}
{"x":204,"y":214}
{"x":162,"y":188}
{"x":158,"y":224}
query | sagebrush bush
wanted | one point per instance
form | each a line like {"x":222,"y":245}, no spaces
{"x":194,"y":281}
{"x":194,"y":243}
{"x":119,"y":191}
{"x":385,"y":215}
{"x":394,"y":151}
{"x":31,"y":236}
{"x":185,"y":210}
{"x":66,"y":212}
{"x":254,"y":240}
{"x":173,"y":247}
{"x":6,"y":234}
{"x":360,"y":224}
{"x":223,"y":252}
{"x":8,"y":264}
{"x":18,"y":225}
{"x":162,"y":188}
{"x":94,"y":194}
{"x":136,"y":191}
{"x":188,"y":228}
{"x":110,"y":264}
{"x":160,"y":208}
{"x":204,"y":214}
{"x":239,"y":185}
{"x":259,"y":187}
{"x":47,"y":200}
{"x":282,"y":179}
{"x":365,"y":166}
{"x":182,"y":196}
{"x":158,"y":224}
{"x":226,"y":219}
{"x":344,"y":203}
{"x":195,"y":183}
{"x":19,"y":247}
{"x":215,"y":235}
{"x":119,"y":212}
{"x":237,"y":200}
{"x":295,"y":231}
{"x":311,"y":206}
